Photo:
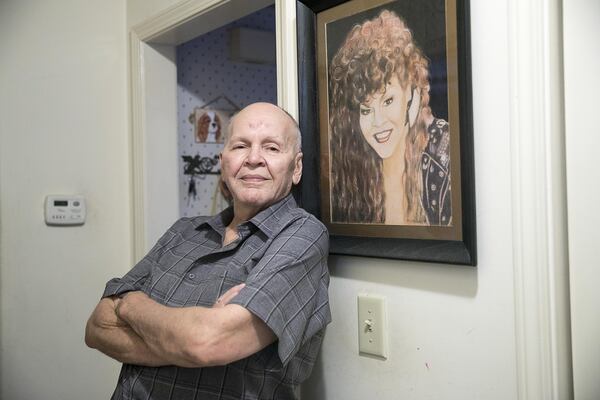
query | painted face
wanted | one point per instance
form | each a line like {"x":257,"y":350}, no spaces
{"x":259,"y":163}
{"x":383,"y":118}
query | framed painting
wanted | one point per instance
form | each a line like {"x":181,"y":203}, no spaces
{"x":385,"y":111}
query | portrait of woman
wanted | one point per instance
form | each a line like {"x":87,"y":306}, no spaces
{"x":389,"y":153}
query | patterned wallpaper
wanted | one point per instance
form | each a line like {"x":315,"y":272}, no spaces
{"x":205,"y":73}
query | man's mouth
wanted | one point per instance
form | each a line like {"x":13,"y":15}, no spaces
{"x":383,"y":136}
{"x":253,"y":178}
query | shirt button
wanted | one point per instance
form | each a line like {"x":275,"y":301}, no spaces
{"x":191,"y":276}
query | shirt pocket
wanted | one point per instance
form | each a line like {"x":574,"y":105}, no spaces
{"x":172,"y":270}
{"x":203,"y":286}
{"x":164,"y":281}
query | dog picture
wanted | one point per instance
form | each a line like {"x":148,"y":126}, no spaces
{"x":209,"y":125}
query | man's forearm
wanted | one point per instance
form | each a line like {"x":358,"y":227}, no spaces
{"x":113,"y":337}
{"x":168,"y":332}
{"x":124,"y":345}
{"x":195,"y":336}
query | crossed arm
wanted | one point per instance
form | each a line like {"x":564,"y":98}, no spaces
{"x":137,"y":330}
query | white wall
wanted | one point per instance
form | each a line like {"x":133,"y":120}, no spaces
{"x":582,"y":85}
{"x":140,"y":10}
{"x":63,"y":129}
{"x":451,"y":329}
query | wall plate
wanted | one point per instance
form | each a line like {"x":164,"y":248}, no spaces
{"x":372,"y":325}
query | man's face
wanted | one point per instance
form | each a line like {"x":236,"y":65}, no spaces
{"x":259,"y":162}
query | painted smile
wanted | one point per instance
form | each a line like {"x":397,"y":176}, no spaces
{"x":383,"y":136}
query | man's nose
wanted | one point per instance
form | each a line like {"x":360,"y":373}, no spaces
{"x":255,"y":156}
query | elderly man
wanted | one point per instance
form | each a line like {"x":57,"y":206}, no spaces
{"x":232,"y":306}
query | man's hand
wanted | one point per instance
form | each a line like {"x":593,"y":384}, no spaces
{"x":110,"y":319}
{"x":129,"y":301}
{"x":228,"y":296}
{"x":110,"y":334}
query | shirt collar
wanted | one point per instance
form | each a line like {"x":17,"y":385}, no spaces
{"x":272,"y":219}
{"x":269,"y":221}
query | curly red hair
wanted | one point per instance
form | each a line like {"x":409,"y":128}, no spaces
{"x":373,"y":53}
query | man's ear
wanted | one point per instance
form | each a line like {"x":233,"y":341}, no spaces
{"x":297,"y":168}
{"x":414,"y":105}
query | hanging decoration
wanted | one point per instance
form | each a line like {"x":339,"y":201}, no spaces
{"x":210,"y":123}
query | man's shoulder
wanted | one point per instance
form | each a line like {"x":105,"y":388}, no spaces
{"x":286,"y":216}
{"x":189,"y":222}
{"x":301,"y":217}
{"x":305,"y":230}
{"x":290,"y":215}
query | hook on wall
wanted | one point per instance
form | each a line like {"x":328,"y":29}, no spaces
{"x":222,"y":97}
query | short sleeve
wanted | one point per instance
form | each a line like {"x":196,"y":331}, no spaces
{"x":136,"y":277}
{"x":287,"y":289}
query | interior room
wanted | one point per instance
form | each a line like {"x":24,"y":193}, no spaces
{"x":120,"y":88}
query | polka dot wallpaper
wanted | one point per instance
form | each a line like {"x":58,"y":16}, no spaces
{"x":205,"y":73}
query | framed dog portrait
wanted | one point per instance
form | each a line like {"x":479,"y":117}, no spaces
{"x":209,"y":124}
{"x":393,"y":157}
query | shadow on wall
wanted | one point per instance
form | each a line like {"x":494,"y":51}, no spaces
{"x":456,"y":280}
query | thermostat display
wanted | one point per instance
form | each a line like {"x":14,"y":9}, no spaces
{"x":65,"y":210}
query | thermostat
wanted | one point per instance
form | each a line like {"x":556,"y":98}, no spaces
{"x":65,"y":210}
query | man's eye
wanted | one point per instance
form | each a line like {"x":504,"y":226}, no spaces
{"x":273,"y":148}
{"x":365,"y":111}
{"x":388,"y":101}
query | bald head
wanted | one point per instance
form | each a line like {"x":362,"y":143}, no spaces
{"x":264,"y":112}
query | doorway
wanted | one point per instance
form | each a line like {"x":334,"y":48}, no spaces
{"x":219,"y":73}
{"x":154,"y":104}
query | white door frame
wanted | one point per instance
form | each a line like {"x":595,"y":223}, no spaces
{"x":540,"y":248}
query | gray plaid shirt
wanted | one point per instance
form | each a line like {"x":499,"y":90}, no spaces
{"x":281,"y":255}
